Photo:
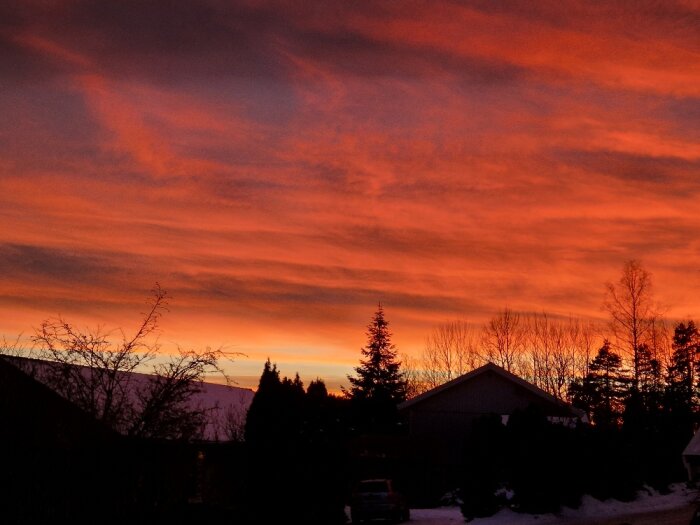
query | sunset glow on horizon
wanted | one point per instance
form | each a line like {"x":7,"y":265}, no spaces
{"x":281,"y":167}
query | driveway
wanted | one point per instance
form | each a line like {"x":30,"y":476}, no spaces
{"x":679,"y":516}
{"x":446,"y":516}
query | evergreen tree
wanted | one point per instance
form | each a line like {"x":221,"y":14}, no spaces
{"x":264,"y":414}
{"x":604,"y":389}
{"x":681,"y":400}
{"x":651,"y":387}
{"x":317,"y":390}
{"x":379,"y":385}
{"x":683,"y":369}
{"x":293,"y":458}
{"x":378,"y":377}
{"x":581,"y":395}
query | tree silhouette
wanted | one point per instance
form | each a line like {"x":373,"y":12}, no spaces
{"x":96,"y":373}
{"x":379,"y":384}
{"x":450,"y":350}
{"x":682,"y":370}
{"x":317,"y":390}
{"x":632,"y":316}
{"x":504,"y":340}
{"x":603,"y":390}
{"x":265,"y":412}
{"x":296,"y":458}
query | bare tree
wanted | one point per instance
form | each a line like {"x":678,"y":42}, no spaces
{"x":632,"y":313}
{"x":415,"y":385}
{"x":551,"y":358}
{"x":16,"y":349}
{"x":234,"y":423}
{"x":660,"y":341}
{"x":11,"y":348}
{"x":559,"y":351}
{"x":96,"y":373}
{"x":503,"y":341}
{"x":549,"y":352}
{"x":164,"y":404}
{"x":93,"y":372}
{"x":450,"y":351}
{"x":586,"y":339}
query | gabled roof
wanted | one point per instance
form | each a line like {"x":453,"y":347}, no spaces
{"x":490,"y":367}
{"x":220,"y":402}
{"x":32,"y":413}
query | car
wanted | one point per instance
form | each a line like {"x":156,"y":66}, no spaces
{"x":378,"y":499}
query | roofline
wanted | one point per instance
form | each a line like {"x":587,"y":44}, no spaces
{"x":16,"y":360}
{"x":91,"y":423}
{"x":481,"y":370}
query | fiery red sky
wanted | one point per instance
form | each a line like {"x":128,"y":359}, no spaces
{"x":281,"y":167}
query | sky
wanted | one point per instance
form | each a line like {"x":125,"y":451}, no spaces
{"x":281,"y":167}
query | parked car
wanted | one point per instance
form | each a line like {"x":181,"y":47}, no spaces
{"x":378,"y":499}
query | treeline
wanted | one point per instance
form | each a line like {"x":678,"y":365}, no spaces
{"x":549,"y":352}
{"x":298,"y":440}
{"x":295,"y":440}
{"x":640,"y":426}
{"x":638,"y":381}
{"x":640,"y":389}
{"x":289,"y":462}
{"x":565,"y":357}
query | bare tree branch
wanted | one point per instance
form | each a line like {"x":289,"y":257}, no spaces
{"x":97,"y":374}
{"x":633,"y":314}
{"x":450,"y":350}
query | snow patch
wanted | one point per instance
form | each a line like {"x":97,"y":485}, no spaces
{"x":648,"y":500}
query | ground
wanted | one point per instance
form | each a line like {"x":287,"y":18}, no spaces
{"x":650,"y":508}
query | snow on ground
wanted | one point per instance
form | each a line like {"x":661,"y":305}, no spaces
{"x":435,"y":516}
{"x":647,"y":501}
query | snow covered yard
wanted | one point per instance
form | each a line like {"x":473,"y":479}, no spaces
{"x":591,"y":510}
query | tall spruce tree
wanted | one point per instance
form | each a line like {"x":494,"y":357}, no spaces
{"x":682,"y":389}
{"x":293,"y":459}
{"x":643,"y":403}
{"x":681,"y":401}
{"x":265,"y":412}
{"x":651,"y":383}
{"x":603,"y":390}
{"x":277,"y":411}
{"x":379,"y":384}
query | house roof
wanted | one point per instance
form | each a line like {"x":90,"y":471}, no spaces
{"x":489,"y":367}
{"x":32,"y":413}
{"x":220,"y":402}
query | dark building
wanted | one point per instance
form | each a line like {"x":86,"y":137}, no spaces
{"x":33,"y":415}
{"x":57,"y":460}
{"x":60,"y":464}
{"x":441,"y":419}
